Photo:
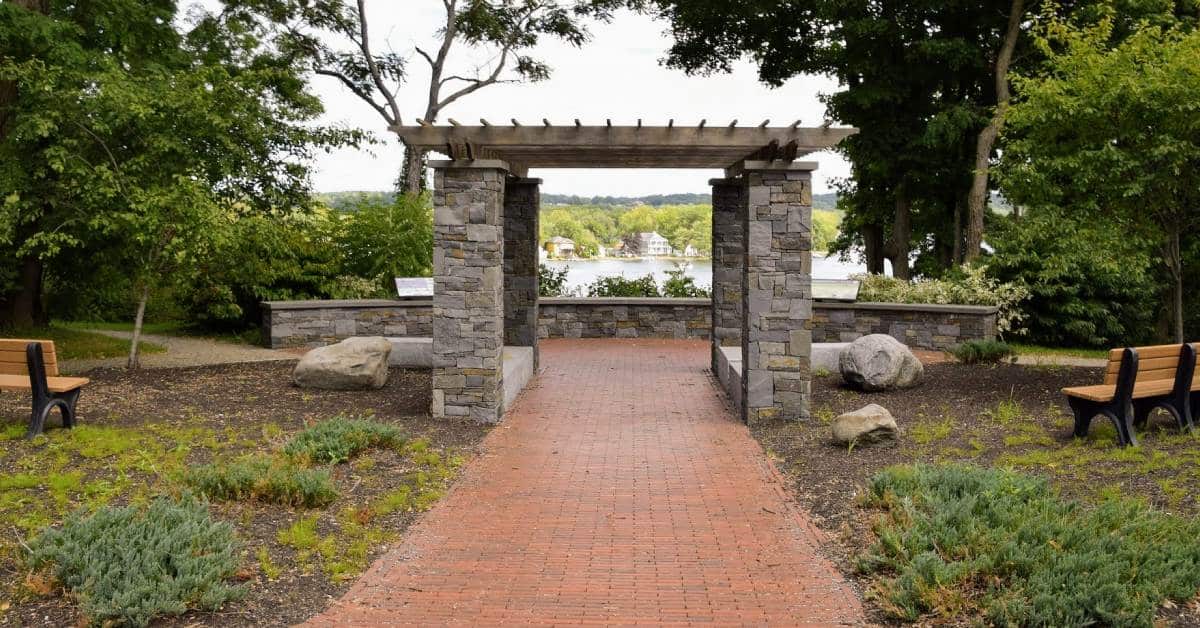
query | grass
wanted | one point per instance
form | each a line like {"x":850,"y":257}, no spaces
{"x":170,"y":328}
{"x":998,"y":547}
{"x":76,"y":344}
{"x":1066,"y":352}
{"x":263,"y":478}
{"x":341,"y":438}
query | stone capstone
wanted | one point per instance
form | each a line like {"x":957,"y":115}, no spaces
{"x":870,"y":424}
{"x":879,"y":362}
{"x":352,"y":364}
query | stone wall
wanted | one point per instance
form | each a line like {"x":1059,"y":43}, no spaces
{"x":314,"y":323}
{"x":916,"y":325}
{"x":620,"y":317}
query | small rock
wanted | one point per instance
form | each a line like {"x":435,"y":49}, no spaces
{"x":870,"y":424}
{"x":352,"y":364}
{"x":879,"y":362}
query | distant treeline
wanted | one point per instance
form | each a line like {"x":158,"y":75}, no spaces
{"x":345,"y":201}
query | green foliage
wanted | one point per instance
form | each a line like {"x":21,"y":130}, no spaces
{"x":383,"y":241}
{"x":340,"y":438}
{"x":552,"y":282}
{"x":679,"y":284}
{"x":971,"y":287}
{"x":1110,"y":132}
{"x":135,"y":564}
{"x":981,"y":351}
{"x":75,"y":344}
{"x":960,"y":541}
{"x":592,"y":226}
{"x":825,"y":229}
{"x":263,"y":478}
{"x":618,"y":286}
{"x":1091,"y":282}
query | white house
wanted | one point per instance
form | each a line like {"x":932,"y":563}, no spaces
{"x":559,"y":246}
{"x":647,"y":244}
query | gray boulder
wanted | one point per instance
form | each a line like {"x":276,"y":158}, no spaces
{"x":870,"y":424}
{"x":352,"y":364}
{"x":879,"y":362}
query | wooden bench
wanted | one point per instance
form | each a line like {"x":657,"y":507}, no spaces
{"x":33,"y":365}
{"x":1136,"y":381}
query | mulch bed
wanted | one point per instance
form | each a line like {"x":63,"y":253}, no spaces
{"x":988,"y":415}
{"x":236,"y":409}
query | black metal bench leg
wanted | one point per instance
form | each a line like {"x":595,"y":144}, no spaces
{"x":43,"y":406}
{"x":1083,"y":411}
{"x":1124,"y":423}
{"x":69,"y":399}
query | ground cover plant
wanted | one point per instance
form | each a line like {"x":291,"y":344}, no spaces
{"x":979,"y":351}
{"x":960,"y":541}
{"x":991,"y":416}
{"x":71,"y":343}
{"x":134,"y":564}
{"x":204,"y":431}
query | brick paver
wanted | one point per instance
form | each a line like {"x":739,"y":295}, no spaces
{"x":619,"y":490}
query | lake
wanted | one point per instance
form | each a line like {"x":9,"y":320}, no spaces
{"x":582,"y":272}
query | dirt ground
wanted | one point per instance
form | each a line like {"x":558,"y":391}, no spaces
{"x":989,"y":415}
{"x":140,"y":431}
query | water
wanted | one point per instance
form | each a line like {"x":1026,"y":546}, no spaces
{"x":582,"y":272}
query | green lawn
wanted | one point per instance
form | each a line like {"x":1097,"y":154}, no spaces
{"x":169,"y":328}
{"x":1066,"y":352}
{"x":75,"y":344}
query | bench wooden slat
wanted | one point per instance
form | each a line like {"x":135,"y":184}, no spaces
{"x":1104,"y":392}
{"x":56,"y":384}
{"x":13,"y":358}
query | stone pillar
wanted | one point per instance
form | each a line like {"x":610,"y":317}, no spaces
{"x":777,"y":301}
{"x":522,"y":201}
{"x":468,"y":294}
{"x":729,"y":212}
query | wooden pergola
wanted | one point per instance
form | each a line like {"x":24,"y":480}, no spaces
{"x":577,"y":145}
{"x":486,"y":247}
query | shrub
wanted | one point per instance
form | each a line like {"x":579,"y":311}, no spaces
{"x":680,"y":286}
{"x":340,"y":438}
{"x":969,"y":286}
{"x":981,"y":351}
{"x":961,"y":541}
{"x":132,"y":565}
{"x":265,"y":479}
{"x":552,"y":282}
{"x":619,"y":286}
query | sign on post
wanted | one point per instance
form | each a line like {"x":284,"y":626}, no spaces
{"x":414,"y":287}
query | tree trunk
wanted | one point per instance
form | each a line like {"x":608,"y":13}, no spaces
{"x":412,"y":176}
{"x":873,"y":245}
{"x":134,"y":361}
{"x":23,"y":307}
{"x":900,"y":246}
{"x":978,"y":198}
{"x":956,"y":230}
{"x":1173,"y":259}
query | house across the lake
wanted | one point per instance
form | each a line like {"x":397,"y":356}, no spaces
{"x":560,"y":247}
{"x":646,"y":244}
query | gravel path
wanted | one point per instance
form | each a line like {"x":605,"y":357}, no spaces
{"x":1060,"y":360}
{"x":184,"y":351}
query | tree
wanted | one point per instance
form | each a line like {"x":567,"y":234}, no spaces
{"x":335,"y":39}
{"x":1112,"y":132}
{"x":140,"y":135}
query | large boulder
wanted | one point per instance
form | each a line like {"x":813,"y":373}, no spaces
{"x":870,"y":424}
{"x":879,"y":362}
{"x":352,"y":364}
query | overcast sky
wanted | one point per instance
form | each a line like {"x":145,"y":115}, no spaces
{"x":617,"y":75}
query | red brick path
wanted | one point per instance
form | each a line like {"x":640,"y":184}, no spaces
{"x":618,"y":490}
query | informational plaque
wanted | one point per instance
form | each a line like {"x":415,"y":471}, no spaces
{"x":845,"y":290}
{"x":414,"y":287}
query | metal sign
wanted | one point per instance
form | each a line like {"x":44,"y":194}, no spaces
{"x":845,"y":290}
{"x":414,"y":287}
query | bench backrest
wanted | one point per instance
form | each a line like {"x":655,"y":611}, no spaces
{"x":1156,"y":362}
{"x":13,"y":357}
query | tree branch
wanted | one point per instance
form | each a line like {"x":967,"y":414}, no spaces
{"x":365,"y":97}
{"x":365,"y":46}
{"x":478,"y":83}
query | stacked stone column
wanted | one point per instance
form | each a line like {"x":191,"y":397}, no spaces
{"x":522,"y":201}
{"x":777,"y":299}
{"x":468,"y":300}
{"x":728,"y":251}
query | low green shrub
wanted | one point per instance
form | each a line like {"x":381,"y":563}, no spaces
{"x":966,"y":286}
{"x":130,"y":564}
{"x":618,"y":286}
{"x":267,"y":479}
{"x":981,"y":351}
{"x":553,"y":282}
{"x":681,"y":286}
{"x":340,"y":438}
{"x":963,"y":542}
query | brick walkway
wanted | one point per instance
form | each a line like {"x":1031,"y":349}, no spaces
{"x":618,"y":490}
